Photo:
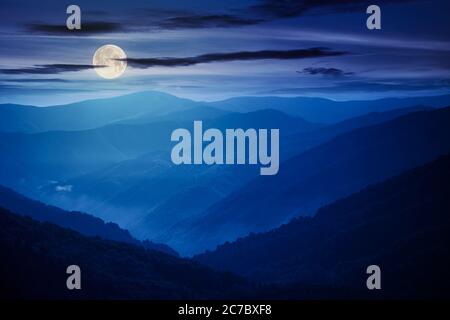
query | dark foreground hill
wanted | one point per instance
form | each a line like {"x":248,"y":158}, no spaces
{"x":78,"y":221}
{"x":401,"y":225}
{"x":34,"y":257}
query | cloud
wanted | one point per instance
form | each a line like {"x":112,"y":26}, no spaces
{"x":233,"y":56}
{"x":65,"y":188}
{"x":293,"y":8}
{"x":87,"y":27}
{"x":8,"y":90}
{"x":325,"y":71}
{"x":206,"y":21}
{"x":49,"y":69}
{"x":144,"y":63}
{"x":263,"y":11}
{"x":33,"y":80}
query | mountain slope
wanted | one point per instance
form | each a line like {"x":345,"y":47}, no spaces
{"x":402,"y":225}
{"x":91,"y":113}
{"x":35,"y":256}
{"x":150,"y":196}
{"x":78,"y":221}
{"x":297,"y":143}
{"x":201,"y":112}
{"x":324,"y":110}
{"x":151,"y":106}
{"x":321,"y":175}
{"x":32,"y":160}
{"x":139,"y":193}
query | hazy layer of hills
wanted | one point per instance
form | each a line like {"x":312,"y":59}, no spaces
{"x":111,"y":158}
{"x":90,"y":114}
{"x":401,"y":224}
{"x":121,"y":170}
{"x":151,"y":106}
{"x":84,"y":223}
{"x":37,"y":255}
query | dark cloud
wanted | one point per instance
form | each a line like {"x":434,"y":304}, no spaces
{"x":233,"y":56}
{"x":96,"y":13}
{"x":49,"y":69}
{"x":188,"y":61}
{"x":325,"y":72}
{"x":33,"y":80}
{"x":86,"y":28}
{"x":206,"y":21}
{"x":264,"y":10}
{"x":153,"y":18}
{"x":7,"y":90}
{"x":293,"y":8}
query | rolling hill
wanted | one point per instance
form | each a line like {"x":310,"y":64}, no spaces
{"x":84,"y":223}
{"x":90,"y":114}
{"x":401,"y":224}
{"x":326,"y":111}
{"x":318,"y":176}
{"x":123,"y":173}
{"x":152,"y":106}
{"x":150,"y":197}
{"x":35,"y":256}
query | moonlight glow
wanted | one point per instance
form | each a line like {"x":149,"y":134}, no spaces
{"x":106,"y":56}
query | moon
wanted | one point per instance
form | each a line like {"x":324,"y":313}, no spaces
{"x":106,"y":57}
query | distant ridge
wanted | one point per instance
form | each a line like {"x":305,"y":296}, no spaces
{"x":90,"y":114}
{"x":327,"y":111}
{"x":318,"y":176}
{"x":148,"y":106}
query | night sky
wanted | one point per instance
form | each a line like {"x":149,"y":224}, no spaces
{"x":211,"y":50}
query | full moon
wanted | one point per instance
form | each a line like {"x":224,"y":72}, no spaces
{"x":106,"y":59}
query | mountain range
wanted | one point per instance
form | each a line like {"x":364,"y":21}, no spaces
{"x":150,"y":196}
{"x":81,"y":222}
{"x":320,"y":175}
{"x":119,"y":167}
{"x":326,"y":111}
{"x":38,"y":254}
{"x":90,"y":114}
{"x":401,"y":225}
{"x":359,"y":184}
{"x":153,"y":106}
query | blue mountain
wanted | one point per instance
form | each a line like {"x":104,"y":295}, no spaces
{"x":297,"y":143}
{"x":401,"y":224}
{"x":141,"y":192}
{"x":152,"y":106}
{"x":35,"y":256}
{"x":326,"y":111}
{"x":335,"y":169}
{"x":84,"y":223}
{"x":91,"y":114}
{"x":151,"y":197}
